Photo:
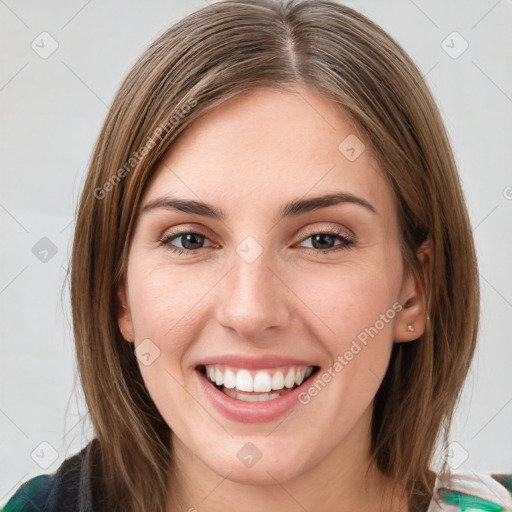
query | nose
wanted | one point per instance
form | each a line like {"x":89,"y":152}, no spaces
{"x":254,"y":299}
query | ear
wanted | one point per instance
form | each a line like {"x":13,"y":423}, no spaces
{"x":413,"y":299}
{"x":124,"y":318}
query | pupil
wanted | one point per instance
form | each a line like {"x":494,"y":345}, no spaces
{"x":319,"y":237}
{"x":186,"y":239}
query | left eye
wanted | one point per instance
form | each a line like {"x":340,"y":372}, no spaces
{"x":328,"y":238}
{"x":192,"y":241}
{"x":189,"y":241}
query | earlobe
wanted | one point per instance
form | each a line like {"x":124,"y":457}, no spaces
{"x":412,"y":321}
{"x":124,"y":319}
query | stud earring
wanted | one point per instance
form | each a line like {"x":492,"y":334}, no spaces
{"x":410,"y":328}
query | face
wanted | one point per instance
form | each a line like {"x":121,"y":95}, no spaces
{"x":291,"y":306}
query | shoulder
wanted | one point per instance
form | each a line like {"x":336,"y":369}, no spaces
{"x":504,"y":479}
{"x":60,"y":491}
{"x":31,"y":496}
{"x":465,"y":490}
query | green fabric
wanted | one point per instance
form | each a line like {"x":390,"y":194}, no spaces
{"x":467,"y":502}
{"x":46,"y":493}
{"x":30,"y":495}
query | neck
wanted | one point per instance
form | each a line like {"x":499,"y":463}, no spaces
{"x":343,"y":481}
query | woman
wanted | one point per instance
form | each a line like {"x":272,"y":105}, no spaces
{"x":274,"y":283}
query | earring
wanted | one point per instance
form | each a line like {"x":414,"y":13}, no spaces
{"x":410,"y":328}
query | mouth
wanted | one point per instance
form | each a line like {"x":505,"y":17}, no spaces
{"x":256,"y":385}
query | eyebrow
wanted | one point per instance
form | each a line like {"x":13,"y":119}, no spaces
{"x":292,"y":209}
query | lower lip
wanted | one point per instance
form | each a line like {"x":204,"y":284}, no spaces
{"x":251,"y":412}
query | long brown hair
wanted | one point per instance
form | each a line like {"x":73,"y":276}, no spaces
{"x":206,"y":58}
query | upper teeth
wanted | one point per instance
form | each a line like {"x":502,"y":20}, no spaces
{"x":259,"y":381}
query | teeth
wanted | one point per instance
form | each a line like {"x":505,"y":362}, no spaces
{"x":243,"y":381}
{"x":262,"y":382}
{"x":229,"y":379}
{"x":257,"y":381}
{"x":246,"y":397}
{"x":278,"y":380}
{"x":289,"y":380}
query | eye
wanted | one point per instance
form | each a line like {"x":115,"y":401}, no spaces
{"x":323,"y":241}
{"x":190,"y":241}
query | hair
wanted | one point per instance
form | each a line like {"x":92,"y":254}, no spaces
{"x":200,"y":62}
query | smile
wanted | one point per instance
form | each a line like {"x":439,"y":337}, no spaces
{"x":254,"y":390}
{"x":256,"y":385}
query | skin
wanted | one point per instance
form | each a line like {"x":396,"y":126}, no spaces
{"x":249,"y":157}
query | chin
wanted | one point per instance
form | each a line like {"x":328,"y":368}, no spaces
{"x":260,"y":474}
{"x":266,"y":467}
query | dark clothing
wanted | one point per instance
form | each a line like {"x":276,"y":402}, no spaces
{"x":75,"y":488}
{"x":66,"y":490}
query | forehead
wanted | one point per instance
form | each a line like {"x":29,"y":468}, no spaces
{"x":267,"y":146}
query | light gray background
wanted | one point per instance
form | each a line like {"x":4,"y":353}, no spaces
{"x":52,"y":111}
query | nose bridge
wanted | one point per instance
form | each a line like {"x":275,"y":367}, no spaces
{"x":253,"y":298}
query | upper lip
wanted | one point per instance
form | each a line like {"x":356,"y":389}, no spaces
{"x":262,"y":362}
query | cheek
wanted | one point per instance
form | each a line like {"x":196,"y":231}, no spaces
{"x":164,"y":302}
{"x":164,"y":306}
{"x":355,"y":306}
{"x":348,"y":300}
{"x":168,"y":307}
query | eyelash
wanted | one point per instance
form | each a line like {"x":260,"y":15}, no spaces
{"x":347,"y":242}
